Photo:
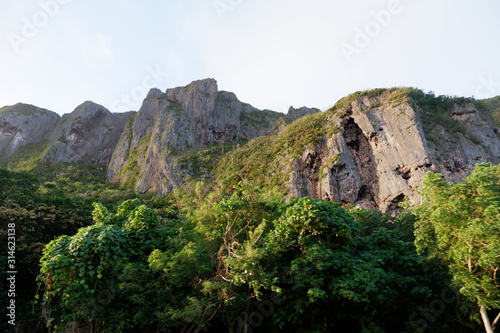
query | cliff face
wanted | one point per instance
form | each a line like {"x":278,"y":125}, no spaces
{"x":371,"y":150}
{"x":22,"y":125}
{"x":89,"y":134}
{"x":152,"y":151}
{"x":377,"y":160}
{"x":382,"y":153}
{"x":456,"y":153}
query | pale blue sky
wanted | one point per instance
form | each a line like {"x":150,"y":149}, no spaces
{"x":272,"y":53}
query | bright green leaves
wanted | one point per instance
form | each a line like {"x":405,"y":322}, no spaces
{"x":78,"y":271}
{"x":81,"y":271}
{"x":101,"y":214}
{"x":460,"y":224}
{"x":306,"y":221}
{"x":307,"y":265}
{"x":315,"y":258}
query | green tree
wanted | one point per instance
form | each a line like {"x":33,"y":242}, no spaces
{"x":349,"y":271}
{"x":80,"y":273}
{"x":459,"y":223}
{"x":228,"y":226}
{"x":40,"y":213}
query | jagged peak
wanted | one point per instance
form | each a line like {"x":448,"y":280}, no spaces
{"x":88,"y":109}
{"x":208,"y":84}
{"x":153,"y":93}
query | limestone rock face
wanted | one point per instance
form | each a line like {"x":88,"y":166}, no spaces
{"x":22,"y":125}
{"x":181,"y":120}
{"x":371,"y":151}
{"x":381,"y":154}
{"x":456,"y":154}
{"x":89,"y":134}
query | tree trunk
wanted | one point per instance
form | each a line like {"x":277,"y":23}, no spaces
{"x":495,"y":322}
{"x":486,"y":319}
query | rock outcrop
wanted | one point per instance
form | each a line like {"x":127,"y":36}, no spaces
{"x":371,"y":150}
{"x":23,"y":125}
{"x":381,"y":154}
{"x":377,"y":160}
{"x":89,"y":134}
{"x":456,"y":152}
{"x":181,"y":120}
{"x":295,"y":114}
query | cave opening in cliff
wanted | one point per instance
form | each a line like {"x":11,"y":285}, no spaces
{"x":352,"y":134}
{"x":395,"y":205}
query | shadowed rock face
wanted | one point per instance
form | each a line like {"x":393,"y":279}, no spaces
{"x":22,"y":125}
{"x":89,"y":134}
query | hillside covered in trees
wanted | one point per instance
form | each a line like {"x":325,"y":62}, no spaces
{"x":323,"y":223}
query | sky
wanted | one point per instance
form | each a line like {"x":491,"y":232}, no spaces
{"x":272,"y":54}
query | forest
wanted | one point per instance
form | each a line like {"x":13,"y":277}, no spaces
{"x":93,"y":257}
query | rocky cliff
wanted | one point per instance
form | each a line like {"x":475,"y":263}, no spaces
{"x":159,"y":146}
{"x":29,"y":135}
{"x":387,"y":148}
{"x":23,"y":125}
{"x":89,"y":134}
{"x":371,"y":150}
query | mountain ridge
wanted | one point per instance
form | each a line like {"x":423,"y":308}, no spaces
{"x":370,"y":150}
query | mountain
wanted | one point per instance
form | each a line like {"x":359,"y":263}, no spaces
{"x":371,"y":149}
{"x":29,"y":134}
{"x":160,"y":146}
{"x":22,"y":125}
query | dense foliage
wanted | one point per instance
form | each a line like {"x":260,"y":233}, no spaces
{"x":460,"y":224}
{"x":244,"y":262}
{"x":246,"y":259}
{"x":39,"y":212}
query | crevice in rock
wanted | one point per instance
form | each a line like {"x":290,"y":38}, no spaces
{"x":360,"y":149}
{"x":352,"y":135}
{"x":404,"y":172}
{"x":364,"y":194}
{"x":310,"y":168}
{"x":394,"y":204}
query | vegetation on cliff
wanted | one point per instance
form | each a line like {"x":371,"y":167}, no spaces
{"x":231,"y":251}
{"x":247,"y":259}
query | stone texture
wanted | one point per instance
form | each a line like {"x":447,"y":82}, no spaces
{"x":456,"y":154}
{"x":381,"y":156}
{"x":22,"y":125}
{"x":179,"y":120}
{"x":89,"y":134}
{"x":377,"y":159}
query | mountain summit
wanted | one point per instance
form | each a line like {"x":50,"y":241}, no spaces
{"x":371,"y":149}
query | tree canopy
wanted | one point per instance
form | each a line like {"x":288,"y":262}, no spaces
{"x":459,"y":223}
